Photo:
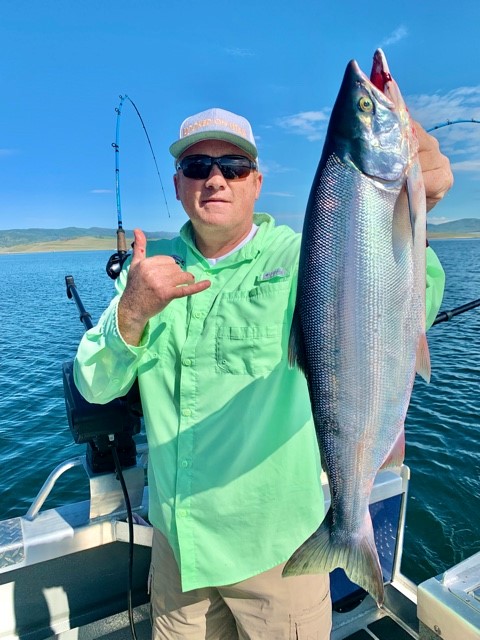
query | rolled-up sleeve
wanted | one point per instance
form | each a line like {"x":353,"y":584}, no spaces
{"x":105,"y":366}
{"x":435,"y":286}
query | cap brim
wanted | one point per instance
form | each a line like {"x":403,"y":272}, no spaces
{"x":179,"y":147}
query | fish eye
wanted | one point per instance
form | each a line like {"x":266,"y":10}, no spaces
{"x":365,"y":104}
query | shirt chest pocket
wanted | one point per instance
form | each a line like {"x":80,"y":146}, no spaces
{"x":251,"y":330}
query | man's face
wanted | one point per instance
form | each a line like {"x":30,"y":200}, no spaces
{"x":217,"y":203}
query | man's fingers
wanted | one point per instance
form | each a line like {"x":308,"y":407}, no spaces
{"x":436,"y":170}
{"x":139,"y":246}
{"x":190,"y":289}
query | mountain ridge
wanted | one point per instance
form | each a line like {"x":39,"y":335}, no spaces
{"x":32,"y":236}
{"x":36,"y":235}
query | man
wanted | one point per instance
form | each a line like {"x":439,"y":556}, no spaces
{"x":203,"y":321}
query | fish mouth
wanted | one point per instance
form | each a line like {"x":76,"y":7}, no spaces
{"x":379,"y":79}
{"x":380,"y":75}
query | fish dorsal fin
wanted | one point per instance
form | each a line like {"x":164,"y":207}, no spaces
{"x":422,"y":363}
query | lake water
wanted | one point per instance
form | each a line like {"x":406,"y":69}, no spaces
{"x":40,"y":330}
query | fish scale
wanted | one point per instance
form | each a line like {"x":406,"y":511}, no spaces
{"x":360,"y":312}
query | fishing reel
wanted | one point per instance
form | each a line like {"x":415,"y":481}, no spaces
{"x":116,"y":261}
{"x":115,"y":264}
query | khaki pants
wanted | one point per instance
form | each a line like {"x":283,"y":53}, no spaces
{"x":266,"y":606}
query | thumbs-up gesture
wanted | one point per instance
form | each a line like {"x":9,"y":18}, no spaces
{"x":152,"y":284}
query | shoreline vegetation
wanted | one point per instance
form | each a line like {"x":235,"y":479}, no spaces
{"x":42,"y":240}
{"x":87,"y":243}
{"x":72,"y":244}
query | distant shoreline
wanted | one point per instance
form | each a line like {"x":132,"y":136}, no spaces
{"x":109,"y":244}
{"x":453,"y":236}
{"x":86,"y":243}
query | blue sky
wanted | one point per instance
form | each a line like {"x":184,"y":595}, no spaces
{"x":63,"y":65}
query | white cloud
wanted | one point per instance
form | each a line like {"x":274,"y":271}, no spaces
{"x":460,"y":103}
{"x":279,"y":194}
{"x":101,"y":191}
{"x":310,"y":124}
{"x":267,"y":168}
{"x":398,"y":34}
{"x":466,"y":165}
{"x":238,"y":52}
{"x":4,"y":153}
{"x":459,"y":141}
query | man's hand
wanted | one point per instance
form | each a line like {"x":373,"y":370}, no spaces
{"x":151,"y":284}
{"x":437,"y":175}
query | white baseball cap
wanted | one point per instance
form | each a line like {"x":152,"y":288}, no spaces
{"x":215,"y":124}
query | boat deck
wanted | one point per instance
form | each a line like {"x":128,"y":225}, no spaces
{"x":365,"y":622}
{"x":63,"y":572}
{"x":367,"y":627}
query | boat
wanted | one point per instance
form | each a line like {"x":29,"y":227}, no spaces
{"x":80,"y":570}
{"x":63,"y":571}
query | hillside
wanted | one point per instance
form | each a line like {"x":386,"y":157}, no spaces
{"x":66,"y":239}
{"x":99,"y":238}
{"x":466,"y":227}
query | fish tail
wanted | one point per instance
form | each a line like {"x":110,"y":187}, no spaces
{"x":358,"y":558}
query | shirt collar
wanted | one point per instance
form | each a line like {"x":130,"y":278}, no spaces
{"x":247,"y":252}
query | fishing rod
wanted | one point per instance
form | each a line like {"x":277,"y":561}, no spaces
{"x":450,"y":122}
{"x":444,"y":316}
{"x":115,"y":262}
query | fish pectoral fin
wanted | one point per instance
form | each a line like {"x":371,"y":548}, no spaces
{"x":296,"y":343}
{"x":409,"y":212}
{"x":416,"y":201}
{"x":358,"y":557}
{"x":422,"y":363}
{"x":402,"y":229}
{"x":396,"y":455}
{"x":411,"y":188}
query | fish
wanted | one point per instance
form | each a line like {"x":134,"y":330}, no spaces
{"x":358,"y":328}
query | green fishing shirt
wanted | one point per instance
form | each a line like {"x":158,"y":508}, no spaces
{"x":234,"y":469}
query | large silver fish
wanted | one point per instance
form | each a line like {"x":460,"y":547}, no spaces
{"x":358,"y":331}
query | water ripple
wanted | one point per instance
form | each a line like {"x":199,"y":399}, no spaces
{"x":41,"y":330}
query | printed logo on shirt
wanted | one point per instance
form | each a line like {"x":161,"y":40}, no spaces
{"x":279,"y":272}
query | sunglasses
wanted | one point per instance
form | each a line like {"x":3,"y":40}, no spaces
{"x":198,"y":167}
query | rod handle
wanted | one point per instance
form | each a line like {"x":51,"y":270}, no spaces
{"x":121,"y":241}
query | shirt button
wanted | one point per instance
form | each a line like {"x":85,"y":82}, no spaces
{"x":186,"y":362}
{"x":186,"y":412}
{"x":198,"y":314}
{"x":185,"y":464}
{"x":182,"y":513}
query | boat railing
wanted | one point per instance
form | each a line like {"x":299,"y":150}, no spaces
{"x":106,"y":497}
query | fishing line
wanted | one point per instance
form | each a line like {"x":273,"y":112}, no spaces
{"x":114,"y":264}
{"x":121,"y":478}
{"x":444,"y":316}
